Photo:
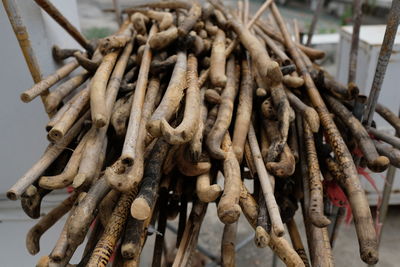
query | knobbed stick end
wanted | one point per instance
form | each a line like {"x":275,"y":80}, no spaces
{"x":25,"y":97}
{"x":312,"y":119}
{"x":171,"y":135}
{"x":32,"y":240}
{"x":319,"y":220}
{"x":12,"y":194}
{"x":154,"y":128}
{"x":99,"y":120}
{"x":279,"y":231}
{"x":140,"y":209}
{"x":79,"y":179}
{"x":379,"y":164}
{"x":55,"y":135}
{"x":261,"y":238}
{"x":127,"y":250}
{"x":211,"y":194}
{"x":229,"y":215}
{"x":369,"y":253}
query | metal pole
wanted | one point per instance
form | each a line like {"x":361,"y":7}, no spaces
{"x":384,"y":56}
{"x":317,"y":11}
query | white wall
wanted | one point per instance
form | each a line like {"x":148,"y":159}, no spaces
{"x":22,"y":134}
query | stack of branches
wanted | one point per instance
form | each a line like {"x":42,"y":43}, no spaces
{"x":183,"y":95}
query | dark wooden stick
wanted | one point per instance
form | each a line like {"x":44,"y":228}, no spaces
{"x":375,"y":162}
{"x":141,"y":206}
{"x":362,"y":214}
{"x":388,"y":138}
{"x":64,"y":23}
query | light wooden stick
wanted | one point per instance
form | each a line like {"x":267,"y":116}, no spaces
{"x":129,"y":149}
{"x":48,"y":81}
{"x":263,"y":176}
{"x":51,"y":153}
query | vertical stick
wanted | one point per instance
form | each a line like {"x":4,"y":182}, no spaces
{"x":314,"y":21}
{"x":273,"y":209}
{"x":357,"y":15}
{"x":364,"y":226}
{"x":24,"y":42}
{"x":384,"y":56}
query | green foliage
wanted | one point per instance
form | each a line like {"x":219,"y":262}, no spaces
{"x":96,"y":33}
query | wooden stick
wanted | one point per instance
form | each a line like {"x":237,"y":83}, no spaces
{"x":120,"y":114}
{"x":388,"y":138}
{"x":71,"y":169}
{"x":55,"y":97}
{"x":188,"y":168}
{"x":159,"y":66}
{"x":190,"y":236}
{"x":185,"y":131}
{"x":225,"y":111}
{"x":35,"y":233}
{"x":196,"y":144}
{"x":296,"y":241}
{"x":244,"y":110}
{"x":190,"y":20}
{"x":48,"y":81}
{"x":317,"y":11}
{"x":205,"y":191}
{"x":64,"y":23}
{"x":383,"y":60}
{"x":364,"y":226}
{"x":77,"y":107}
{"x":163,"y":39}
{"x":262,"y":236}
{"x":85,"y":212}
{"x":228,"y":208}
{"x":263,"y":176}
{"x":388,"y":151}
{"x":107,"y":206}
{"x":31,"y":200}
{"x":141,"y":206}
{"x":126,"y":182}
{"x":269,"y":70}
{"x":228,"y":245}
{"x":95,"y":234}
{"x":357,"y":16}
{"x":316,"y":206}
{"x":51,"y":153}
{"x":308,"y":113}
{"x":105,"y":247}
{"x":61,"y":246}
{"x":389,"y":116}
{"x":375,"y":162}
{"x":274,"y":48}
{"x":218,"y":60}
{"x":172,"y":96}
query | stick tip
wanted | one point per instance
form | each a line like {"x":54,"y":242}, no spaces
{"x":12,"y":195}
{"x":229,"y":215}
{"x":99,"y":120}
{"x":55,"y":135}
{"x":140,"y":209}
{"x":25,"y":97}
{"x":379,"y":164}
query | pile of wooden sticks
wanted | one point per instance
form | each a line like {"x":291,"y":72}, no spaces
{"x":183,"y":95}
